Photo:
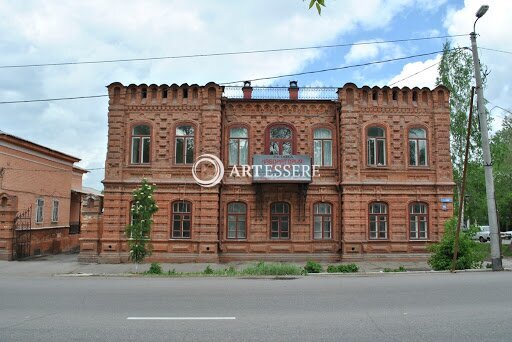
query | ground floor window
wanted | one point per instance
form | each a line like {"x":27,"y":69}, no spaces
{"x":378,"y":221}
{"x":181,"y":220}
{"x":322,"y":221}
{"x":237,"y":220}
{"x":280,"y":220}
{"x":418,"y":221}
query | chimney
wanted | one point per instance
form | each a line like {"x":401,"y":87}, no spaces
{"x":293,"y":90}
{"x":247,"y":89}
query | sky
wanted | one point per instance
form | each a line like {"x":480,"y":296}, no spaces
{"x":68,"y":31}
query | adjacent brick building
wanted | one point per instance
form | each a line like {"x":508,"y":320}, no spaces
{"x":384,"y":187}
{"x":40,"y":199}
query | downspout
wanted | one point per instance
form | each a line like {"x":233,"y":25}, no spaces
{"x":222,"y":141}
{"x":338,"y":155}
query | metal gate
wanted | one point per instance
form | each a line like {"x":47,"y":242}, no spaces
{"x":22,"y":234}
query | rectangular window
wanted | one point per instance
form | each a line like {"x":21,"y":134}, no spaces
{"x":378,"y":221}
{"x":418,"y":221}
{"x":55,"y":211}
{"x":238,"y":146}
{"x":184,"y":145}
{"x":322,"y":147}
{"x":237,"y":217}
{"x":322,"y":221}
{"x":181,"y":220}
{"x":39,"y":210}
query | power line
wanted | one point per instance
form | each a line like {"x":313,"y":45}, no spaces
{"x":226,"y":53}
{"x":496,"y":50}
{"x":334,"y":69}
{"x":416,"y":73}
{"x":255,"y":79}
{"x":41,"y":170}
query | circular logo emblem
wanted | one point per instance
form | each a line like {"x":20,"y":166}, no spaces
{"x":217,"y":164}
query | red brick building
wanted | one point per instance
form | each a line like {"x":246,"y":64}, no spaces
{"x":384,"y":187}
{"x":40,"y":199}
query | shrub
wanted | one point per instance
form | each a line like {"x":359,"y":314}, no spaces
{"x":230,"y":271}
{"x":343,"y":268}
{"x":155,"y":268}
{"x":208,"y":270}
{"x":469,"y":255}
{"x":171,"y":272}
{"x":313,"y":267}
{"x":276,"y":269}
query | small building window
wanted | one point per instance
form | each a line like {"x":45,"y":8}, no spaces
{"x":164,"y":93}
{"x":141,"y":146}
{"x":418,"y":221}
{"x":55,"y":211}
{"x":184,"y":144}
{"x":238,"y":146}
{"x":181,"y":220}
{"x":237,"y":220}
{"x":322,"y":221}
{"x":39,"y":210}
{"x":322,"y":146}
{"x":417,"y":147}
{"x":185,"y":93}
{"x":280,"y":220}
{"x":280,"y":140}
{"x":144,"y":92}
{"x":376,"y":146}
{"x":378,"y":221}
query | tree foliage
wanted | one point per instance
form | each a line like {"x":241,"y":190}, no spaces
{"x":318,"y":4}
{"x":138,"y":231}
{"x":469,"y":255}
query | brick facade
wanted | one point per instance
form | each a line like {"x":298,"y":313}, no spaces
{"x":349,"y":185}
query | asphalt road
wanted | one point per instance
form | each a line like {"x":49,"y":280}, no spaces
{"x":400,"y":307}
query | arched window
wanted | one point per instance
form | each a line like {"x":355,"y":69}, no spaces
{"x":376,"y":145}
{"x":184,"y":144}
{"x":378,"y":221}
{"x":238,"y":146}
{"x":141,"y":144}
{"x":322,"y":213}
{"x":280,"y":140}
{"x":237,"y":220}
{"x":181,"y":220}
{"x":418,"y":221}
{"x":280,"y":220}
{"x":322,"y":146}
{"x":417,"y":147}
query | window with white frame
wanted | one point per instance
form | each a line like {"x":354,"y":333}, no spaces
{"x":322,"y":221}
{"x":322,"y":147}
{"x":39,"y":210}
{"x":378,"y":221}
{"x":184,"y":144}
{"x":141,"y":144}
{"x":238,"y":146}
{"x":55,"y":211}
{"x":418,"y":221}
{"x":376,"y":145}
{"x":417,"y":147}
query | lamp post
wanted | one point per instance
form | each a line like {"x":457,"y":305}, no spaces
{"x":489,"y":181}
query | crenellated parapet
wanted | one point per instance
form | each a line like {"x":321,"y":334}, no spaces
{"x":351,"y":95}
{"x":170,"y":95}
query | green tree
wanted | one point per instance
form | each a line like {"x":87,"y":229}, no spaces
{"x":318,"y":4}
{"x":138,"y":231}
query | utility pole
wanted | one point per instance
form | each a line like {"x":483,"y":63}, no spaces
{"x":489,"y":180}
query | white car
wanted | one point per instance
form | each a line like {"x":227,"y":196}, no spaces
{"x":483,"y":235}
{"x":506,"y":235}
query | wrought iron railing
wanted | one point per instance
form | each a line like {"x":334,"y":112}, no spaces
{"x":282,"y":93}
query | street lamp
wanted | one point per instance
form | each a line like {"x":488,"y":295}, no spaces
{"x":489,"y":182}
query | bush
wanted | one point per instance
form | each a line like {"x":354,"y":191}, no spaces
{"x":313,"y":267}
{"x":347,"y":268}
{"x":208,"y":270}
{"x":155,"y":268}
{"x":171,"y":272}
{"x":469,"y":255}
{"x":275,"y":269}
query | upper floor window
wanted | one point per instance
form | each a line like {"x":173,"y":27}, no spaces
{"x":39,"y":210}
{"x":238,"y":146}
{"x":376,"y":145}
{"x":181,"y":219}
{"x":378,"y":220}
{"x":55,"y":211}
{"x":418,"y":221}
{"x":322,"y":221}
{"x":141,"y":144}
{"x":417,"y":147}
{"x":237,"y":220}
{"x":281,"y":140}
{"x":322,"y":146}
{"x":280,"y":220}
{"x":184,"y":144}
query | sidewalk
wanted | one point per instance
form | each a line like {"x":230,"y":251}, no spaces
{"x":68,"y":264}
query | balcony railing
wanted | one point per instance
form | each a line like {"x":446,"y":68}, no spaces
{"x":282,"y":93}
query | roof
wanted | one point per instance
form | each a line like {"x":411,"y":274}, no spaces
{"x":88,"y":191}
{"x":36,"y":147}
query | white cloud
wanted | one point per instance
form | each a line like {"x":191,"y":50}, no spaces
{"x":426,"y":74}
{"x":370,"y":52}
